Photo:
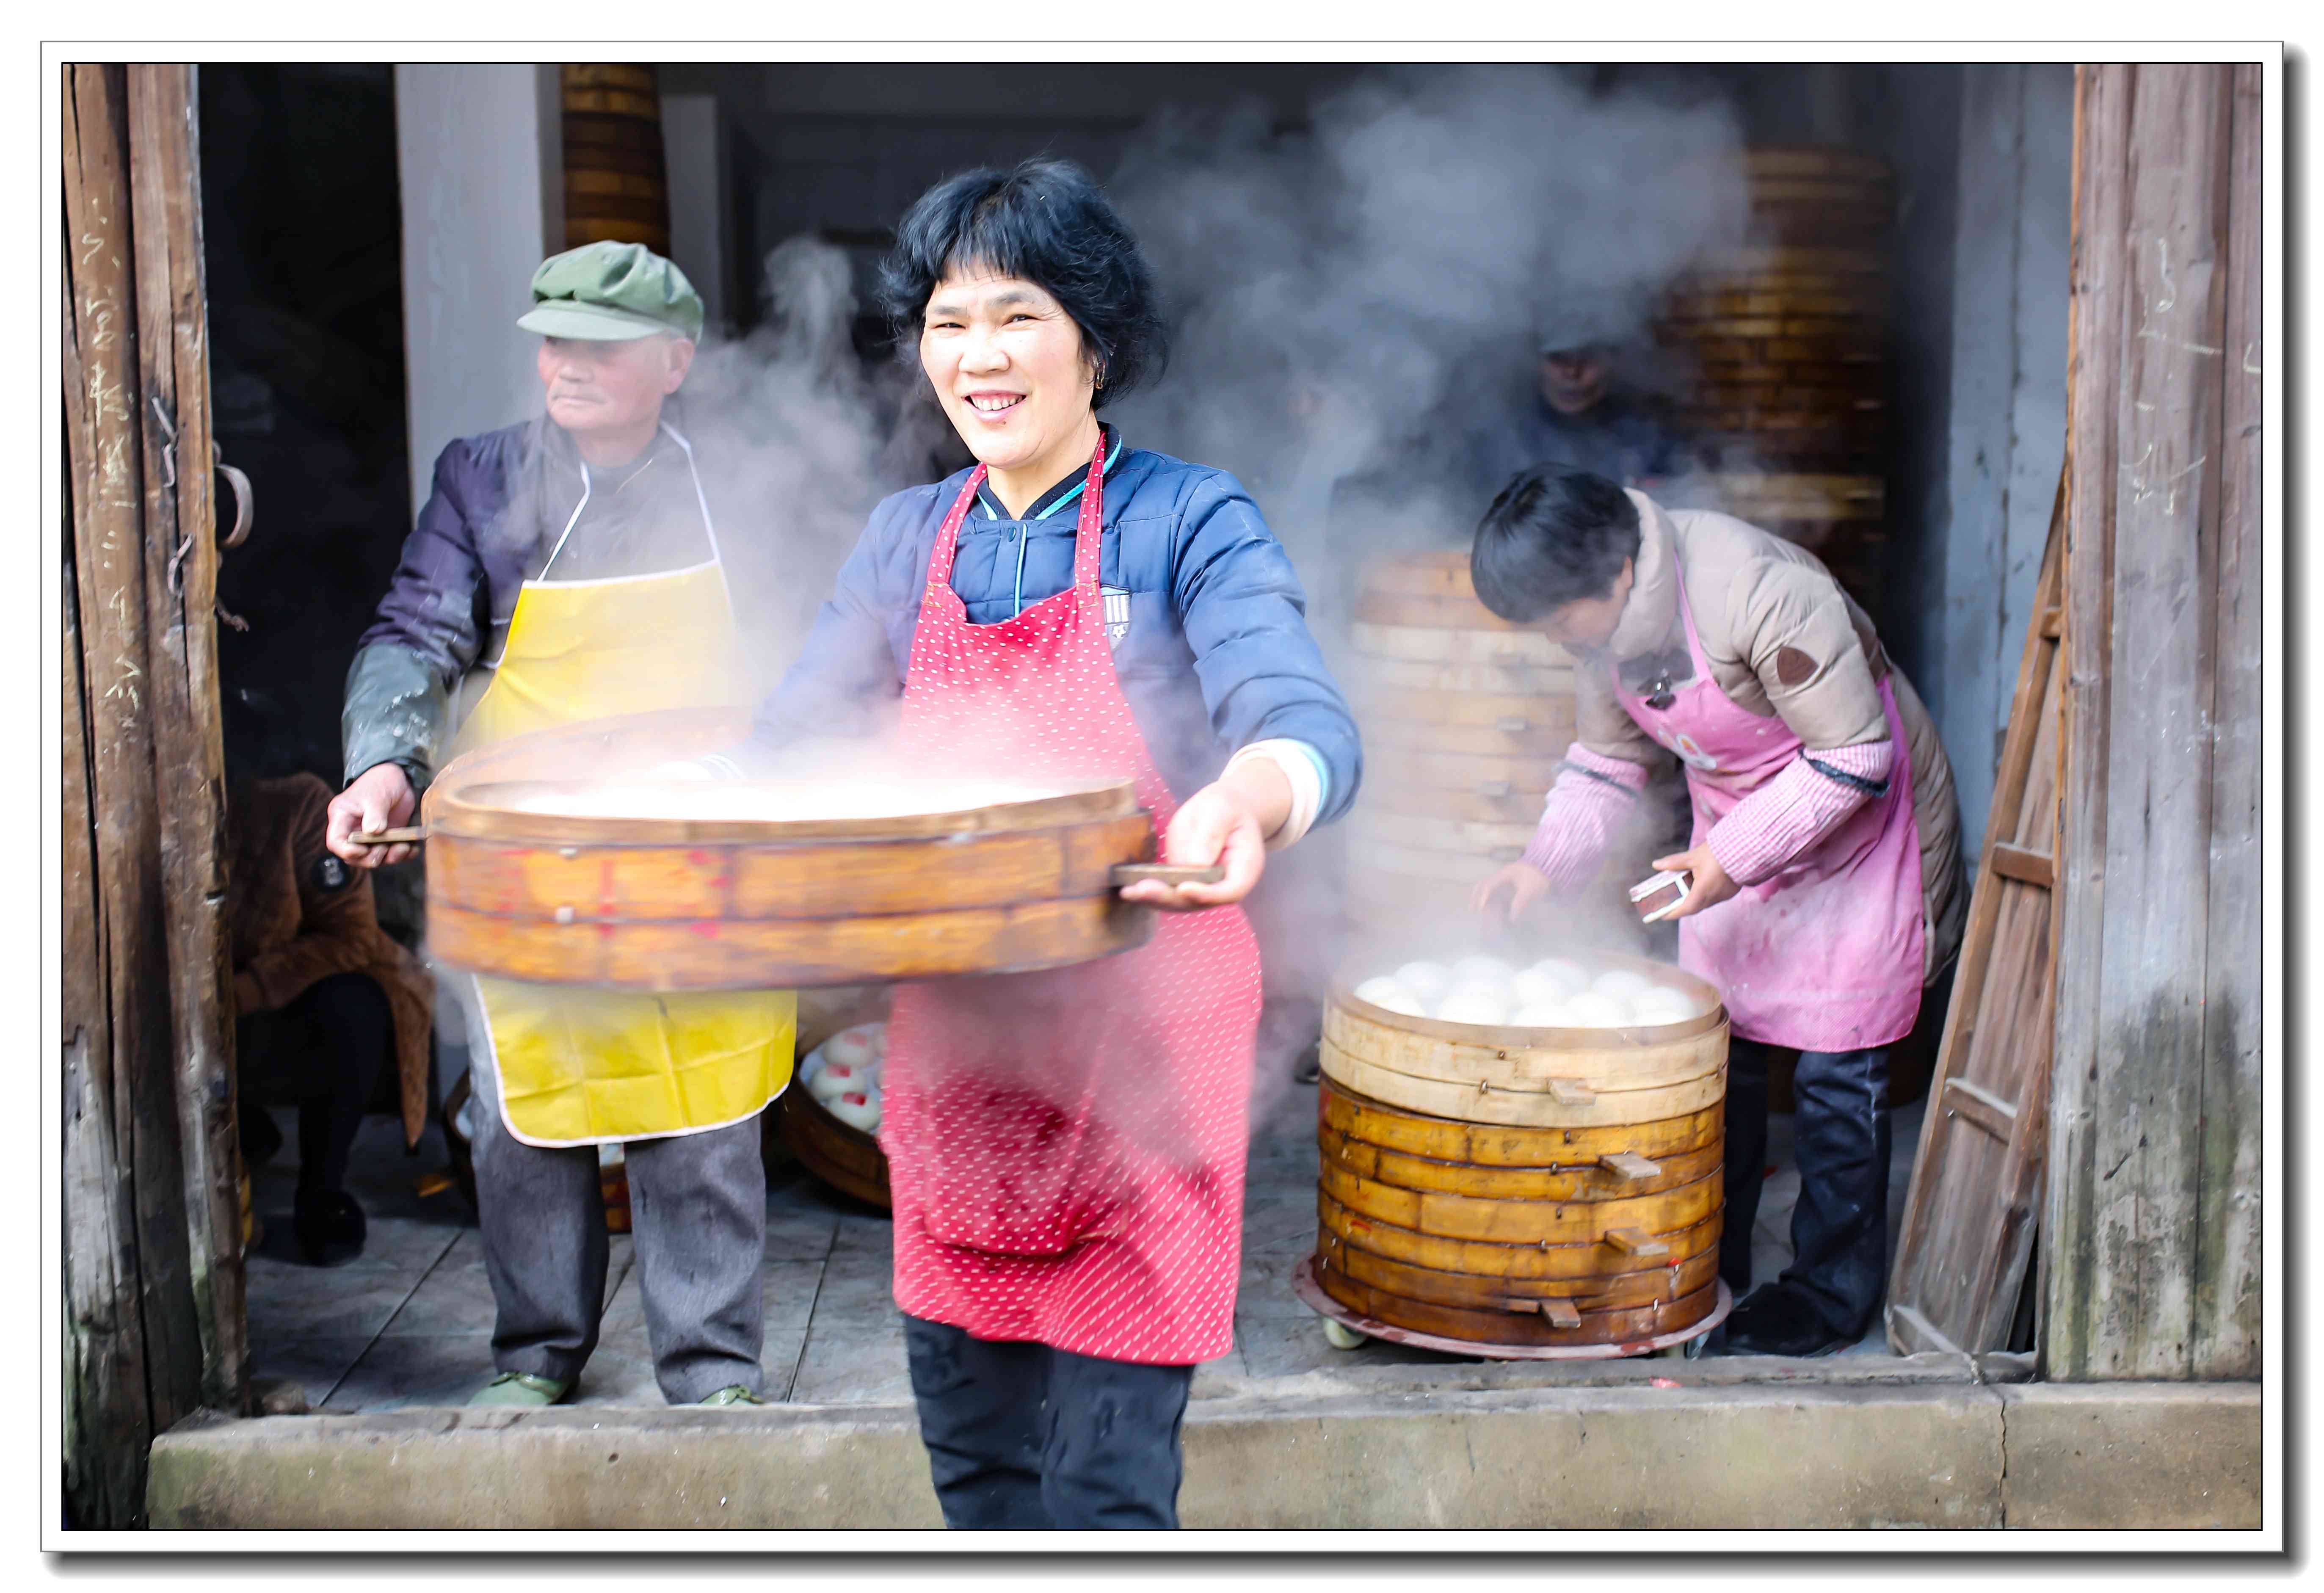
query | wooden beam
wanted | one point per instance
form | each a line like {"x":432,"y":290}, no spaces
{"x":2129,"y":1188}
{"x":1980,"y":1107}
{"x":2230,"y":1217}
{"x":190,"y":764}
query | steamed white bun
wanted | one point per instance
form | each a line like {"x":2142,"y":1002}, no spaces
{"x":1595,"y":1009}
{"x":1481,"y":970}
{"x":1623,"y":984}
{"x":858,"y":1046}
{"x":1537,"y":984}
{"x":1473,"y":1004}
{"x":858,"y":1109}
{"x":1663,"y":1004}
{"x":1392,"y":994}
{"x":1569,"y":973}
{"x":835,"y":1079}
{"x":1427,"y":981}
{"x":1542,"y":1015}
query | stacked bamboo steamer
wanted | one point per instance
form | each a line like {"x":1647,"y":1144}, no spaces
{"x":616,"y":185}
{"x":1464,"y":719}
{"x":1509,"y":1187}
{"x":1787,"y":344}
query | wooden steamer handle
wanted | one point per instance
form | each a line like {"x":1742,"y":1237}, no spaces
{"x":411,"y":834}
{"x":1167,"y":874}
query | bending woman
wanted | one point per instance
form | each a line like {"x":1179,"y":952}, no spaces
{"x":1066,"y":1149}
{"x":1826,"y":852}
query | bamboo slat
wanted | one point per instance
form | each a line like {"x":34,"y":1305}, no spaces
{"x":1503,"y":1146}
{"x":1427,"y":644}
{"x":1551,"y":679}
{"x":1510,"y":1326}
{"x":1610,"y":1290}
{"x":1521,"y":1222}
{"x":1596,"y":1182}
{"x":1592,"y":1262}
{"x":1505,"y":1058}
{"x":1576,"y":1106}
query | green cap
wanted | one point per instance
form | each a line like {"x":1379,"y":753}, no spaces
{"x":608,"y":292}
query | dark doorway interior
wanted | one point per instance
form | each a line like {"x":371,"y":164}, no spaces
{"x":302,"y":232}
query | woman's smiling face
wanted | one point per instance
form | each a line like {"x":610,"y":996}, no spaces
{"x":1008,"y":366}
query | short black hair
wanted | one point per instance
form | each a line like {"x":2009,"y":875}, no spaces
{"x":1552,"y":536}
{"x":1048,"y":223}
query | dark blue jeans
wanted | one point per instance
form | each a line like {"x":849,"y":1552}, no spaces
{"x":1840,"y":1137}
{"x":1022,"y":1435}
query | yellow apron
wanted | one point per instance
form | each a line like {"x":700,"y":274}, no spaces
{"x":593,"y":1067}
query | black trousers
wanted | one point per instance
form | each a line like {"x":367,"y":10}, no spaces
{"x":1022,"y":1435}
{"x":324,"y":1054}
{"x":1840,"y":1138}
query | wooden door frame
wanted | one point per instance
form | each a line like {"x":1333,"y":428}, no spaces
{"x":155,"y":1324}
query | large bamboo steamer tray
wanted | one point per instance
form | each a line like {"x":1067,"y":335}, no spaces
{"x":1391,"y":862}
{"x":676,"y":904}
{"x":839,"y":1155}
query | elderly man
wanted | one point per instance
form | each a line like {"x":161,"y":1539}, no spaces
{"x":562,"y":569}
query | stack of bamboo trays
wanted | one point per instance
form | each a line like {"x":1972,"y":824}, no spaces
{"x":1464,"y":718}
{"x":616,"y":185}
{"x":1542,"y":1188}
{"x":1787,"y":344}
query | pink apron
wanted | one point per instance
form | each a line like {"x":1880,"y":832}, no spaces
{"x":1826,"y":955}
{"x":1066,"y":1149}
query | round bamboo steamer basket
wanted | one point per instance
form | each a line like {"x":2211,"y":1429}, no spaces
{"x":1515,"y":1236}
{"x":1529,"y":1077}
{"x":1369,"y":827}
{"x":616,"y":184}
{"x":1445,"y":644}
{"x":680,"y":904}
{"x":839,"y":1155}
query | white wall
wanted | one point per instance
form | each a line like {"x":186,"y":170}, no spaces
{"x":694,"y":157}
{"x":2008,"y":404}
{"x":481,"y":163}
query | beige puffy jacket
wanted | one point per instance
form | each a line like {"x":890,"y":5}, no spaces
{"x":1784,"y":641}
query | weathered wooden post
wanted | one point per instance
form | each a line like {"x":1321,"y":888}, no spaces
{"x":2152,"y":1254}
{"x":152,"y":1264}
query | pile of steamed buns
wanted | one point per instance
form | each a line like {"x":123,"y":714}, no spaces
{"x":1554,"y":993}
{"x":843,"y":1073}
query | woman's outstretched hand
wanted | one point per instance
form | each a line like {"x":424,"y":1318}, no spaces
{"x":1227,"y":822}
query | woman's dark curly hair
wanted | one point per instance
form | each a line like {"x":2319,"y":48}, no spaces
{"x":1552,"y":537}
{"x":1049,"y":224}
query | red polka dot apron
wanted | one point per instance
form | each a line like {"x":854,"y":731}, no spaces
{"x":1066,"y":1149}
{"x":1826,"y":955}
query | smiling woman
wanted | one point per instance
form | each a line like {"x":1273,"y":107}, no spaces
{"x":1066,"y":1149}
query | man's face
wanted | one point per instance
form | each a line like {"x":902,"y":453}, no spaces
{"x":607,"y":386}
{"x":1574,"y":379}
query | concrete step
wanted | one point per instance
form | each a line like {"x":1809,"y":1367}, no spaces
{"x":1651,"y":1445}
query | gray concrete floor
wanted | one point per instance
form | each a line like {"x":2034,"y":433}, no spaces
{"x":410,"y":1322}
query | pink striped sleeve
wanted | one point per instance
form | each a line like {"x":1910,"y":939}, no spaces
{"x":1806,"y":801}
{"x":1591,"y":797}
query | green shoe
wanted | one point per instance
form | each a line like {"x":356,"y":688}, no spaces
{"x":520,"y":1388}
{"x":733,"y":1394}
